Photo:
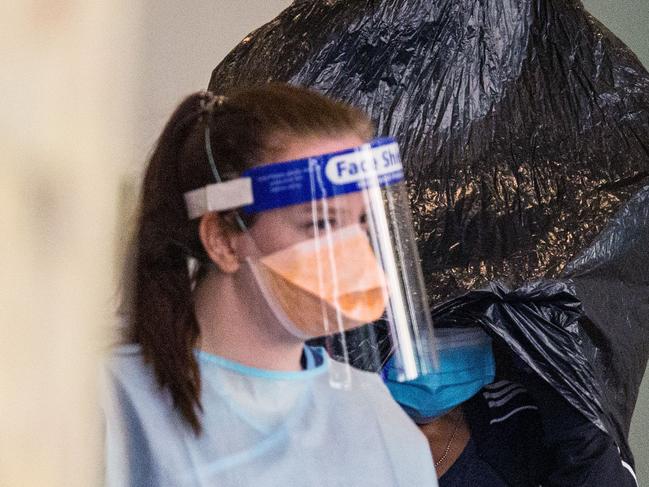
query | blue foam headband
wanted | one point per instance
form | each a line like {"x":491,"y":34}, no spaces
{"x":276,"y":185}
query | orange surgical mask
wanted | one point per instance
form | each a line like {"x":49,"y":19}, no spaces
{"x":324,"y":285}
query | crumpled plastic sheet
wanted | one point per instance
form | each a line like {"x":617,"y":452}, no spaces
{"x":611,"y":279}
{"x":524,"y":128}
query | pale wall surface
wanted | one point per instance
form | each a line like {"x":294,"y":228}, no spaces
{"x":63,"y":132}
{"x":182,"y":43}
{"x":628,"y":19}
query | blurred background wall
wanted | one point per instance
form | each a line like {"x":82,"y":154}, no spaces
{"x":87,"y":87}
{"x":65,"y":131}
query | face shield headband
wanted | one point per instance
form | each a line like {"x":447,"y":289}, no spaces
{"x":282,"y":184}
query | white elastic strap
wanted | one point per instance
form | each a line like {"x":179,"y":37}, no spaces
{"x":219,"y":197}
{"x":274,"y":306}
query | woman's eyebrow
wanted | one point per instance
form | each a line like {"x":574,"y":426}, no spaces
{"x":332,"y":208}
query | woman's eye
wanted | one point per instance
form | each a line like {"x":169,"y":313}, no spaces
{"x":321,"y":224}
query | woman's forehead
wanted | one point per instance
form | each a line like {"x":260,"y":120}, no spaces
{"x":292,"y":148}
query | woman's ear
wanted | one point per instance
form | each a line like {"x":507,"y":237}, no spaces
{"x":219,"y":239}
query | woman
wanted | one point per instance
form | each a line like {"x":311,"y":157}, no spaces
{"x":498,"y":433}
{"x":240,"y":257}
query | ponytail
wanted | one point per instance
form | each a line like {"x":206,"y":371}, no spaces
{"x":163,"y":321}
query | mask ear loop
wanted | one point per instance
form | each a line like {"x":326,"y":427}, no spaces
{"x":209,"y":108}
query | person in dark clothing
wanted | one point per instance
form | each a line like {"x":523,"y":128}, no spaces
{"x":496,"y":442}
{"x":509,"y":433}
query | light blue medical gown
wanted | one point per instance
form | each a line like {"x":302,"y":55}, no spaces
{"x":260,"y":428}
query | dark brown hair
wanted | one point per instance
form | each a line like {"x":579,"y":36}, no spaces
{"x":246,"y":127}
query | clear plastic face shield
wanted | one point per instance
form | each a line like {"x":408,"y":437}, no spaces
{"x":332,"y":248}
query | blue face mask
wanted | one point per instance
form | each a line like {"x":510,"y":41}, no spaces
{"x":466,"y":364}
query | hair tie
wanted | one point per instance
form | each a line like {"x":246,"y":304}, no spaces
{"x":209,"y":101}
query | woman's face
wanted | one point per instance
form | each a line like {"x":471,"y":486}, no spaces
{"x":280,"y":228}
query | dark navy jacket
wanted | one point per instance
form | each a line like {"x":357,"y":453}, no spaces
{"x":529,"y":436}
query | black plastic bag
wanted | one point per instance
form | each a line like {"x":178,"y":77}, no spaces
{"x":612,"y":281}
{"x":524,"y":127}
